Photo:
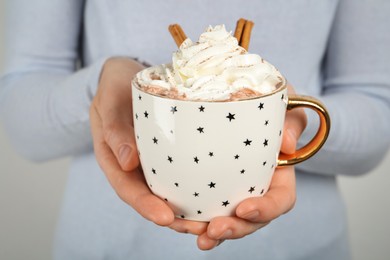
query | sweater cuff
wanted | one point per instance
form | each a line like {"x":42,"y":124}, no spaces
{"x":95,"y":71}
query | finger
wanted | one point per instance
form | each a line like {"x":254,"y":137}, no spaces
{"x":221,"y":228}
{"x":115,"y":112}
{"x":294,"y":125}
{"x":206,"y":243}
{"x":119,"y":136}
{"x":130,"y":186}
{"x":187,"y":226}
{"x":113,"y":103}
{"x":279,"y":199}
{"x":255,"y":213}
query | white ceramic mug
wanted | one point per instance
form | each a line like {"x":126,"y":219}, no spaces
{"x":203,"y":158}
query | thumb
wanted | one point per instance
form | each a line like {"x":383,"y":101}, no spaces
{"x":118,"y":134}
{"x":114,"y":107}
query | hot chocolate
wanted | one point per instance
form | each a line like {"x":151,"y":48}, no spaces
{"x":215,"y":68}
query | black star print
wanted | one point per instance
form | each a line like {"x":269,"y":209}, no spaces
{"x":137,"y":136}
{"x":146,"y":114}
{"x":166,"y":199}
{"x":155,"y":140}
{"x":212,"y":184}
{"x":136,"y":116}
{"x":252,"y":189}
{"x":236,"y":156}
{"x":262,"y":191}
{"x":154,"y":171}
{"x":200,"y":129}
{"x":230,"y":117}
{"x":280,"y":132}
{"x":170,"y":159}
{"x":201,"y":108}
{"x":242,"y":171}
{"x":225,"y":203}
{"x":199,"y":212}
{"x":264,"y":163}
{"x":211,"y":154}
{"x":282,"y":97}
{"x":266,"y":122}
{"x":247,"y":142}
{"x":176,"y":184}
{"x":139,"y":97}
{"x":182,"y":216}
{"x":196,"y":159}
{"x":265,"y":142}
{"x":196,"y":194}
{"x":261,"y":106}
{"x":173,"y":109}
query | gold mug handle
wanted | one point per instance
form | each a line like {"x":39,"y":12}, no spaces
{"x":318,"y":140}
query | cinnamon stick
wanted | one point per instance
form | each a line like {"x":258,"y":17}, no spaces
{"x":239,"y":29}
{"x":246,"y":34}
{"x":177,"y":33}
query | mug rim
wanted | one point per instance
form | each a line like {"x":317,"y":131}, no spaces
{"x":136,"y":85}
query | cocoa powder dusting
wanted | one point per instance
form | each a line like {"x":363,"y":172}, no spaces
{"x":173,"y":93}
{"x":163,"y":92}
{"x":155,"y":76}
{"x":245,"y":93}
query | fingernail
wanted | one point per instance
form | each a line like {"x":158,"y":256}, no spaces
{"x":124,"y":154}
{"x":220,"y":242}
{"x":252,"y":216}
{"x":227,"y":234}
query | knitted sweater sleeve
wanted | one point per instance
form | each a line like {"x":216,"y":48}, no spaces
{"x":356,"y":90}
{"x":44,"y":100}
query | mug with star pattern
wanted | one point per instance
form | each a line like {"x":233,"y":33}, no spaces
{"x":203,"y":158}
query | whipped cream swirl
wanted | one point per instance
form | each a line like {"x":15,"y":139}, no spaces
{"x":213,"y":69}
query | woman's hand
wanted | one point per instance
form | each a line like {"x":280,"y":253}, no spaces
{"x":255,"y":213}
{"x":115,"y":147}
{"x":116,"y":152}
{"x":114,"y":143}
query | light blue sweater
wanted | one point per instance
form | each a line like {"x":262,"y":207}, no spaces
{"x":336,"y":50}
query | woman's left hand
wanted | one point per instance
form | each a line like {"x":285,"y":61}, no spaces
{"x":254,"y":213}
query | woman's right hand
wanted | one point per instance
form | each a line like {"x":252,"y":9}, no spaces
{"x":115,"y":148}
{"x":113,"y":140}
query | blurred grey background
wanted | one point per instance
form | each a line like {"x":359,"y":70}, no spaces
{"x":30,"y":198}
